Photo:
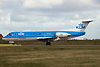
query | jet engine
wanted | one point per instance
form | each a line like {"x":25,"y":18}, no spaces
{"x":62,"y":34}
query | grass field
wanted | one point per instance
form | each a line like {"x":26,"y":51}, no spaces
{"x":49,"y":56}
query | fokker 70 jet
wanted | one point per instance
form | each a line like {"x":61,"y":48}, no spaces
{"x":47,"y":36}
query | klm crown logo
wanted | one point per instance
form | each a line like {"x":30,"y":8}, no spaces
{"x":80,"y":26}
{"x":20,"y":33}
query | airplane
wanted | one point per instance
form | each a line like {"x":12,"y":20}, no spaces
{"x":47,"y":36}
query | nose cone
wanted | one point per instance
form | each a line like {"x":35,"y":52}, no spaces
{"x":3,"y":38}
{"x":6,"y":39}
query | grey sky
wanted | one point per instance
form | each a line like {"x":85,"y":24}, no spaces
{"x":19,"y":15}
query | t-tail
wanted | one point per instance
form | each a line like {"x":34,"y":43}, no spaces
{"x":82,"y":26}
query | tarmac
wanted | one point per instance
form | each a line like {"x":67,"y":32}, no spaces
{"x":56,"y":45}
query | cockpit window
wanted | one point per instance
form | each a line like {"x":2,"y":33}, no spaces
{"x":9,"y":35}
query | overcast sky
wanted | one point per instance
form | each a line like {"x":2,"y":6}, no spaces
{"x":21,"y":15}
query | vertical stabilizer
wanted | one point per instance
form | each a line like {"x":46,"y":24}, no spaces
{"x":82,"y":26}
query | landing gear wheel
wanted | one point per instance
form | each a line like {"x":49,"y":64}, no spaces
{"x":13,"y":43}
{"x":48,"y":43}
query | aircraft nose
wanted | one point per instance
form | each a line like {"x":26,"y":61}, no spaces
{"x":4,"y":39}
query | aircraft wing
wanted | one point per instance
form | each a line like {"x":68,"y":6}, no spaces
{"x":45,"y":38}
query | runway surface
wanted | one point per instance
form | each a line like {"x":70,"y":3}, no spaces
{"x":10,"y":45}
{"x":55,"y":45}
{"x":62,"y":45}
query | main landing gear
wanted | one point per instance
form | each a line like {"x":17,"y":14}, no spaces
{"x":48,"y":43}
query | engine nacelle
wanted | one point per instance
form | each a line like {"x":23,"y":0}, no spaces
{"x":62,"y":34}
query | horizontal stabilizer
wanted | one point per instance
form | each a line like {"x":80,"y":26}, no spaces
{"x":87,"y":21}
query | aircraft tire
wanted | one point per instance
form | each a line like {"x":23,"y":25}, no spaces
{"x":13,"y":43}
{"x":48,"y":43}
